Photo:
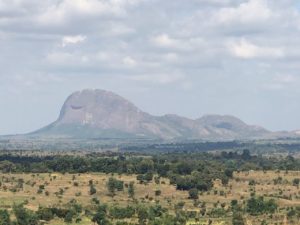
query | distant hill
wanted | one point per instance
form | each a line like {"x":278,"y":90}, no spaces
{"x":103,"y":114}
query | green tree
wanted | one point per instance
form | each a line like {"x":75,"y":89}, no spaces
{"x":100,"y":216}
{"x":258,"y":206}
{"x":4,"y":217}
{"x":296,"y":182}
{"x":131,"y":190}
{"x":24,"y":216}
{"x":45,"y":214}
{"x":7,"y":166}
{"x":92,"y":189}
{"x":142,"y":215}
{"x":111,"y":186}
{"x":69,"y":217}
{"x":193,"y":193}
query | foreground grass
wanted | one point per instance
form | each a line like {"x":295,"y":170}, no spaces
{"x":59,"y":189}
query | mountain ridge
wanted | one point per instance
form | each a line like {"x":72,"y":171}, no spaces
{"x":98,"y":113}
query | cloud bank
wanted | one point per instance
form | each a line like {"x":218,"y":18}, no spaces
{"x":194,"y":57}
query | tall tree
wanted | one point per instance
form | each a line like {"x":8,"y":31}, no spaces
{"x":131,"y":191}
{"x":111,"y":186}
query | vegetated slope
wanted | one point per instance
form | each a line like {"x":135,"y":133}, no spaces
{"x":103,"y":114}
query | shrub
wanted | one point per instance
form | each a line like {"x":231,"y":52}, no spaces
{"x":193,"y":193}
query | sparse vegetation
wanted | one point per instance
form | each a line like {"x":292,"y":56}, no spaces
{"x":174,"y":188}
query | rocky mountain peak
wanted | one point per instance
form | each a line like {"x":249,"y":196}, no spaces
{"x":99,"y":108}
{"x":99,"y":113}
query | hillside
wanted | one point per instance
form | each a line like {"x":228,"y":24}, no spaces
{"x":103,"y":114}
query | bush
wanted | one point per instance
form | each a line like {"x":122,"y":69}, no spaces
{"x":257,"y":206}
{"x":193,"y":193}
{"x":157,"y":192}
{"x":122,"y":213}
{"x":69,"y":217}
{"x":92,"y":190}
{"x":45,"y":214}
{"x":296,"y":182}
{"x":24,"y":216}
{"x":113,"y":185}
{"x":4,"y":217}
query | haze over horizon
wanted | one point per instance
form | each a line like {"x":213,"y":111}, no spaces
{"x":229,"y":57}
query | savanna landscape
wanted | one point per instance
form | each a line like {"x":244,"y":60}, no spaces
{"x":149,"y":112}
{"x":162,"y":188}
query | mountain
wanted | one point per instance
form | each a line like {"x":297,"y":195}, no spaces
{"x":103,"y":114}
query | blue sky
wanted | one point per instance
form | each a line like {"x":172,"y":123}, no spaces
{"x":191,"y":58}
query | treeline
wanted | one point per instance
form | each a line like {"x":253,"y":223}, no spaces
{"x":185,"y":170}
{"x":185,"y":147}
{"x":287,"y":146}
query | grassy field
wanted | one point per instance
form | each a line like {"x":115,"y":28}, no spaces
{"x":59,"y":189}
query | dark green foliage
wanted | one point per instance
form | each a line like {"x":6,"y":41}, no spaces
{"x":217,"y":212}
{"x":7,"y":166}
{"x":69,"y":217}
{"x":199,"y":180}
{"x":193,"y":193}
{"x":186,"y":170}
{"x":257,"y":206}
{"x":234,"y":205}
{"x":100,"y":216}
{"x":68,"y":213}
{"x":45,"y":214}
{"x":24,"y":216}
{"x":4,"y":217}
{"x":145,"y":166}
{"x":229,"y":172}
{"x":147,"y":177}
{"x":157,"y":192}
{"x":291,"y":213}
{"x":122,"y":213}
{"x":156,"y":211}
{"x":252,"y":182}
{"x":111,"y":186}
{"x":131,"y":190}
{"x":96,"y":201}
{"x":296,"y":182}
{"x":142,"y":215}
{"x":114,"y":185}
{"x":246,"y":154}
{"x":181,"y":217}
{"x":164,"y":220}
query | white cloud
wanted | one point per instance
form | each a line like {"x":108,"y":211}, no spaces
{"x":164,"y":40}
{"x":182,"y":44}
{"x":66,"y":40}
{"x":66,"y":10}
{"x":129,"y":62}
{"x":151,"y":44}
{"x":251,"y":11}
{"x":247,"y":50}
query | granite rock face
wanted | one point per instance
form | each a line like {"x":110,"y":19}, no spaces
{"x":103,"y":114}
